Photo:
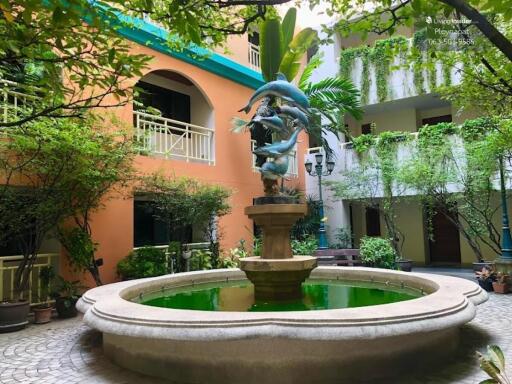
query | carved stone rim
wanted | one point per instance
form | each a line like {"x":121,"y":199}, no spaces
{"x":450,"y":302}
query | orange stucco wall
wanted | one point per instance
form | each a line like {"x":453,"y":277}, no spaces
{"x":112,"y":227}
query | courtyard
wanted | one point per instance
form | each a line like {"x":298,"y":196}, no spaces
{"x":67,"y":351}
{"x":255,"y":191}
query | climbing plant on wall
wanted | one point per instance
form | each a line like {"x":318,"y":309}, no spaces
{"x":381,"y":59}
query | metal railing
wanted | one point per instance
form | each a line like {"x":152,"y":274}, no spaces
{"x":12,"y":98}
{"x":187,"y":247}
{"x":293,"y":169}
{"x":173,"y":139}
{"x":8,"y":267}
{"x":254,"y":56}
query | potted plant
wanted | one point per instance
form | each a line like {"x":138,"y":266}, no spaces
{"x":43,"y":312}
{"x":66,"y":295}
{"x":502,"y":283}
{"x":485,"y":278}
{"x":13,"y":315}
{"x":377,"y":252}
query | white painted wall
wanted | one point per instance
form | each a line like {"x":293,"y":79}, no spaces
{"x":336,"y":212}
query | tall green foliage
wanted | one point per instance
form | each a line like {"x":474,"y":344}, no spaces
{"x":71,"y":66}
{"x":183,"y":201}
{"x":46,"y":165}
{"x":281,"y":50}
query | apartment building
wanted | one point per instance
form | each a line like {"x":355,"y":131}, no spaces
{"x":197,"y":98}
{"x":394,"y":99}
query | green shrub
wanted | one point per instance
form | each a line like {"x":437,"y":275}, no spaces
{"x":377,"y":252}
{"x":344,"y":238}
{"x":143,"y":262}
{"x":305,"y":247}
{"x":363,"y":143}
{"x":256,"y":250}
{"x":200,"y":260}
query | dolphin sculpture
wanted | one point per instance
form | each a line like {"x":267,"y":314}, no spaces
{"x":273,"y":170}
{"x":295,"y":113}
{"x":280,"y":88}
{"x":279,"y":149}
{"x":273,"y":122}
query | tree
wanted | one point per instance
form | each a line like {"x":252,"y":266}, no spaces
{"x":185,"y":201}
{"x":67,"y":65}
{"x":457,"y":180}
{"x":375,"y":182}
{"x":103,"y":168}
{"x":385,"y":16}
{"x":44,"y":165}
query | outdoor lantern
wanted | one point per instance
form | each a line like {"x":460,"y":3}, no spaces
{"x":309,"y":166}
{"x":330,"y":166}
{"x":319,"y":157}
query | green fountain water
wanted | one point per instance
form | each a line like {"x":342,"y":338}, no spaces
{"x":239,"y":296}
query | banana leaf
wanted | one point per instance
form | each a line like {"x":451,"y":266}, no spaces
{"x":288,"y":28}
{"x":290,"y":63}
{"x":271,"y":38}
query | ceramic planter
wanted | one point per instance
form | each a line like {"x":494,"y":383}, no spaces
{"x":404,"y":265}
{"x":500,"y":287}
{"x":42,"y":315}
{"x":13,"y":316}
{"x":477,"y":267}
{"x":65,"y":307}
{"x":486,"y":284}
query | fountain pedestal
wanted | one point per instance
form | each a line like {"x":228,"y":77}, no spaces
{"x":277,"y":274}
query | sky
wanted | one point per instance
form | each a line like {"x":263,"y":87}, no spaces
{"x":306,"y":17}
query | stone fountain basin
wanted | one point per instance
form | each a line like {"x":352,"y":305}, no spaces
{"x":325,"y":346}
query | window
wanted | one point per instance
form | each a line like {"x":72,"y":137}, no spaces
{"x":173,"y":105}
{"x":254,"y":38}
{"x":150,"y":230}
{"x":437,"y":120}
{"x":366,"y":129}
{"x":372,"y":221}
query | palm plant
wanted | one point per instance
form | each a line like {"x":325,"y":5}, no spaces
{"x":330,"y":99}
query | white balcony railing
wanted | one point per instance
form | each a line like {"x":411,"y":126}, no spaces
{"x":173,"y":139}
{"x":8,"y":267}
{"x":187,"y":247}
{"x":12,"y":97}
{"x":254,"y":56}
{"x":293,"y":170}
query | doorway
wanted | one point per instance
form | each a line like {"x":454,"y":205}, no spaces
{"x":444,"y":245}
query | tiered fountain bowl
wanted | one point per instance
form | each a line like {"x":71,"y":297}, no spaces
{"x":267,"y":326}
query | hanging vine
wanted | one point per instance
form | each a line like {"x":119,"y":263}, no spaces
{"x":381,"y":56}
{"x":417,"y":53}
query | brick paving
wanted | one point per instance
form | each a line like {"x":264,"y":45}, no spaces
{"x":68,"y":352}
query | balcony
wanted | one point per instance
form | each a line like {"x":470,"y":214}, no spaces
{"x":254,"y":57}
{"x":8,"y":267}
{"x":293,"y":170}
{"x":380,"y":78}
{"x":173,"y":139}
{"x":350,"y":163}
{"x":12,"y":97}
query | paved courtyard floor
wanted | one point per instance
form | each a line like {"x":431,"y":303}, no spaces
{"x":68,"y":352}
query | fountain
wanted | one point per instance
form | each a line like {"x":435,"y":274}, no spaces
{"x":279,"y":317}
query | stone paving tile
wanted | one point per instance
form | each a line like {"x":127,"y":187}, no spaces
{"x":68,"y":352}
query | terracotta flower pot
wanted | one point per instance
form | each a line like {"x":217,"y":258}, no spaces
{"x":500,"y":287}
{"x":42,"y":315}
{"x":13,"y":316}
